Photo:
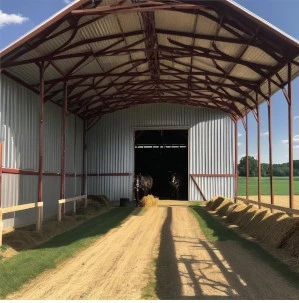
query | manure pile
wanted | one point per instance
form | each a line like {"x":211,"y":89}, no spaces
{"x":275,"y":229}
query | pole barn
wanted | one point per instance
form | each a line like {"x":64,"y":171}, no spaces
{"x":101,"y":85}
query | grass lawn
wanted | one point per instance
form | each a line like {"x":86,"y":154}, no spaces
{"x":281,"y":186}
{"x":26,"y":265}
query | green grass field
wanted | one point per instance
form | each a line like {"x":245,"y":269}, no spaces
{"x":281,"y":186}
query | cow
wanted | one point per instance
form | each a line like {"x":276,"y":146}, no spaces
{"x":142,"y":185}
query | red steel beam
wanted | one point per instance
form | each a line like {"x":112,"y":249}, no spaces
{"x":63,"y":145}
{"x":41,"y":133}
{"x":247,"y":160}
{"x":212,"y":175}
{"x":0,"y":173}
{"x":16,"y":171}
{"x":290,"y":124}
{"x":270,"y":143}
{"x":192,"y":177}
{"x":236,"y":159}
{"x":109,"y":175}
{"x":258,"y":148}
{"x":83,"y":185}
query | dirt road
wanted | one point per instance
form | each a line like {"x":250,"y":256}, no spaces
{"x":189,"y":267}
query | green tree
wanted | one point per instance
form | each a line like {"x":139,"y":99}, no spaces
{"x":252,"y":166}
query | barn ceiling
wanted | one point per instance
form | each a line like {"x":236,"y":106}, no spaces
{"x":109,"y":55}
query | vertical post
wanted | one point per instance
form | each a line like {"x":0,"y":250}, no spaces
{"x":258,"y":149}
{"x":38,"y":220}
{"x":63,"y":140}
{"x":247,"y":160}
{"x":83,"y":191}
{"x":270,"y":143}
{"x":0,"y":174}
{"x":290,"y":114}
{"x":41,"y":136}
{"x":236,"y":160}
{"x":1,"y":227}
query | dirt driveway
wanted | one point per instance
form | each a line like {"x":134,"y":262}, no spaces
{"x":189,"y":267}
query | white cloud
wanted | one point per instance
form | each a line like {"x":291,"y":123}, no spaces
{"x":296,"y":117}
{"x":6,"y":19}
{"x":296,"y":146}
{"x":265,"y":134}
{"x":68,"y":1}
{"x":295,"y":139}
{"x":239,"y":135}
{"x":239,"y":143}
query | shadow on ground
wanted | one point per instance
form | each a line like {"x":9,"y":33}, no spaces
{"x":239,"y":281}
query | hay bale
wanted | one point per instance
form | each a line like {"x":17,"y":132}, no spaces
{"x":211,"y":202}
{"x":102,"y":199}
{"x":236,"y":214}
{"x":252,"y":225}
{"x":247,"y":217}
{"x":217,"y":202}
{"x":149,"y":201}
{"x":277,"y":228}
{"x":291,"y":245}
{"x":222,"y":209}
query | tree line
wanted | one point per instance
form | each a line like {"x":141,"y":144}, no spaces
{"x":278,"y":169}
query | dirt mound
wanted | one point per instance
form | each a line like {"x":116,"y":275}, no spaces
{"x":149,"y":201}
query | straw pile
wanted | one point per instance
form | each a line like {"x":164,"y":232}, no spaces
{"x":235,"y":216}
{"x":216,"y":203}
{"x":212,"y":201}
{"x":253,"y":224}
{"x":149,"y":201}
{"x":223,"y":208}
{"x":102,"y":199}
{"x":291,"y":244}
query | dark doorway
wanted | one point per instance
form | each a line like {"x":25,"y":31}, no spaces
{"x":159,"y":153}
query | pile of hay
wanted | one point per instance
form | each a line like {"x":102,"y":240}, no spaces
{"x":236,"y":215}
{"x":210,"y":203}
{"x":101,"y":199}
{"x":291,"y":245}
{"x":149,"y":201}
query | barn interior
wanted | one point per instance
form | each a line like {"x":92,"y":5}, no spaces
{"x":159,"y":153}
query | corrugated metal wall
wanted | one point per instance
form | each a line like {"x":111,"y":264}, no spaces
{"x":110,"y":148}
{"x":19,"y":110}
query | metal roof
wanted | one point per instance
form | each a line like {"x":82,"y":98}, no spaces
{"x":114,"y":55}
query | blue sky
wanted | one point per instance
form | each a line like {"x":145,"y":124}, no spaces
{"x":20,"y":16}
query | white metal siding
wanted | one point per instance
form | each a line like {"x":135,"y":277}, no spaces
{"x":19,"y":116}
{"x":110,"y":148}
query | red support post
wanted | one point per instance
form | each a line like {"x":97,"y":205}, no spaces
{"x":236,"y":160}
{"x":258,"y":149}
{"x":290,"y":118}
{"x":83,"y":191}
{"x":270,"y":143}
{"x":63,"y":141}
{"x":41,"y":133}
{"x":0,"y":173}
{"x":247,"y":160}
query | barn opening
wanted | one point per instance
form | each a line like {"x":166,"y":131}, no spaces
{"x":159,"y":153}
